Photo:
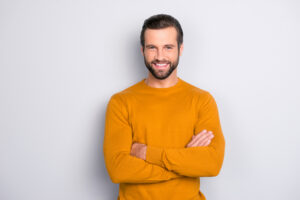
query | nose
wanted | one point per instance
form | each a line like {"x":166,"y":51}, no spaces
{"x":159,"y":54}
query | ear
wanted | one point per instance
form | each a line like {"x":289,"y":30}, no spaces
{"x":142,"y":50}
{"x":181,"y":49}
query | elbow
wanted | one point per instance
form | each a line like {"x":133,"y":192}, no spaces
{"x":218,"y":158}
{"x":215,"y":170}
{"x":115,"y":178}
{"x":115,"y":175}
{"x":120,"y":176}
{"x":209,"y":170}
{"x":216,"y":166}
{"x":114,"y":168}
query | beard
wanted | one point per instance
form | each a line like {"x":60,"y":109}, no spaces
{"x":161,"y":74}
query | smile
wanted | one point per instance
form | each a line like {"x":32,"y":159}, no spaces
{"x":161,"y":66}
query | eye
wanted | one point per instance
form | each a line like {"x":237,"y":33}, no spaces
{"x":169,"y":47}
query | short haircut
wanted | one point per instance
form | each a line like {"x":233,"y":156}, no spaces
{"x":161,"y":21}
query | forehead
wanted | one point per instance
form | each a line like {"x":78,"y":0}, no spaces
{"x":161,"y":36}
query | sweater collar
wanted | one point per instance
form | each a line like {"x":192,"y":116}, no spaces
{"x":175,"y":87}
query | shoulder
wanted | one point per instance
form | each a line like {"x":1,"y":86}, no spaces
{"x":122,"y":95}
{"x":203,"y":97}
{"x":197,"y":91}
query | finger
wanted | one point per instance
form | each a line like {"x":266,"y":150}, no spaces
{"x":197,"y":143}
{"x":207,"y":143}
{"x":204,"y":135}
{"x":204,"y":143}
{"x":201,"y":138}
{"x":195,"y":138}
{"x":209,"y":137}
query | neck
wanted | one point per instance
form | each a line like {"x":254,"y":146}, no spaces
{"x":165,"y":83}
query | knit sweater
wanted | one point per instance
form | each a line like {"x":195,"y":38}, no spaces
{"x":165,"y":119}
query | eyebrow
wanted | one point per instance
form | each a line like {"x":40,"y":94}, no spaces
{"x":172,"y":45}
{"x":151,"y":45}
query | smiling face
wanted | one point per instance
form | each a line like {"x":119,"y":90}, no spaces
{"x":161,"y":53}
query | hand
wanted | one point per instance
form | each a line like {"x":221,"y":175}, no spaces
{"x":202,"y":139}
{"x":139,"y":150}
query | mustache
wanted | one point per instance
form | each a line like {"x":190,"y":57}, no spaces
{"x":160,"y":61}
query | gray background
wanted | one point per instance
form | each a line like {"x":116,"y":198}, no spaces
{"x":60,"y":61}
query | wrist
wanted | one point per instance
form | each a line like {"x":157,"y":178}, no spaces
{"x":154,"y":155}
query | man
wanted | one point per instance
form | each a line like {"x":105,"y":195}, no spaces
{"x":162,"y":133}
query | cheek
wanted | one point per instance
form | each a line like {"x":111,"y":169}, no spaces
{"x":171,"y":53}
{"x":149,"y":56}
{"x":173,"y":56}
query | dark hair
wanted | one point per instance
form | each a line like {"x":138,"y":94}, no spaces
{"x":161,"y":21}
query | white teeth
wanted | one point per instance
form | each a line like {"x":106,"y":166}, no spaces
{"x":161,"y":64}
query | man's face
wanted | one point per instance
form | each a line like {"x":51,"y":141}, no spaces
{"x":161,"y":53}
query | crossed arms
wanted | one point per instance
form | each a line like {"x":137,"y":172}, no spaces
{"x":138,"y":163}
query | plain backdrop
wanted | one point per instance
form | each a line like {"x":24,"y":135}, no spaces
{"x":60,"y":62}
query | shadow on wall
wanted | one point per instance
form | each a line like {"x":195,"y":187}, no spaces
{"x":135,"y":62}
{"x":99,"y":177}
{"x":137,"y":70}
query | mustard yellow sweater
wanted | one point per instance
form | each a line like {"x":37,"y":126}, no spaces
{"x":165,"y":119}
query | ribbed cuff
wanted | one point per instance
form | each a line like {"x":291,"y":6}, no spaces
{"x":154,"y":155}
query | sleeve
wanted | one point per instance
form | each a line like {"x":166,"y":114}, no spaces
{"x":195,"y":161}
{"x":121,"y":166}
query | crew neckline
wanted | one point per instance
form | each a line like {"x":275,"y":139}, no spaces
{"x":178,"y":84}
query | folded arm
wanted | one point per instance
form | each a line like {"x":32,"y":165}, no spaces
{"x":195,"y":161}
{"x":121,"y":166}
